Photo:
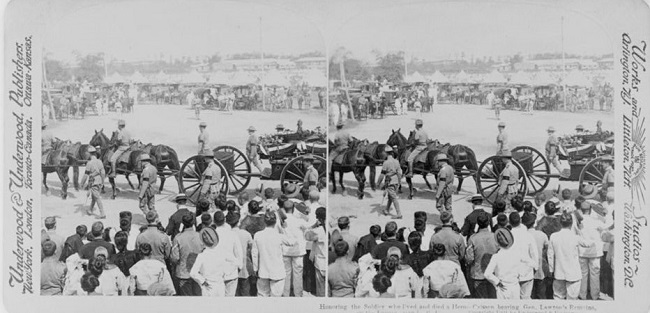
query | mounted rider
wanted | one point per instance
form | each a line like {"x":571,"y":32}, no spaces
{"x":147,"y":185}
{"x":210,"y":179}
{"x":47,"y":142}
{"x":445,"y":183}
{"x":342,"y":141}
{"x":421,"y":139}
{"x":508,"y":179}
{"x":123,"y":141}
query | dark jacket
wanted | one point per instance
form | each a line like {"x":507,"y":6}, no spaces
{"x":470,"y":222}
{"x":175,"y":222}
{"x":71,"y":246}
{"x":87,"y":251}
{"x":365,"y":245}
{"x":381,"y":250}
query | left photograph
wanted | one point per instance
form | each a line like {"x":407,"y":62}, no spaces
{"x":183,"y":153}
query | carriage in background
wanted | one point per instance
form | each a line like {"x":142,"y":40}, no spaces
{"x":585,"y":153}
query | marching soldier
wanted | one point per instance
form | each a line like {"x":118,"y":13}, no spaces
{"x":421,"y":139}
{"x":608,"y":178}
{"x":552,"y":144}
{"x":210,"y":179}
{"x":502,"y":139}
{"x":445,"y":184}
{"x":392,"y":171}
{"x":147,"y":185}
{"x":251,"y":149}
{"x":341,"y":141}
{"x":123,"y":141}
{"x":508,"y":179}
{"x":95,"y":174}
{"x":204,"y":138}
{"x":311,"y":175}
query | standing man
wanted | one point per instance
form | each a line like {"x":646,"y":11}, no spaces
{"x":148,"y":185}
{"x":267,"y":257}
{"x":251,"y":149}
{"x":608,"y":178}
{"x":50,"y":226}
{"x":95,"y":174}
{"x":186,"y":246}
{"x":176,"y":220}
{"x":123,"y":141}
{"x":551,"y":150}
{"x":344,"y":234}
{"x":393,"y":173}
{"x":161,"y":246}
{"x":204,"y":138}
{"x":341,"y":142}
{"x":445,"y":184}
{"x":211,"y":179}
{"x":421,"y":139}
{"x":502,"y":139}
{"x":311,"y":175}
{"x":508,"y":179}
{"x":469,"y":226}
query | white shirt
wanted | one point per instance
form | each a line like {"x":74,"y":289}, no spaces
{"x":112,"y":282}
{"x":590,"y":224}
{"x":230,"y":247}
{"x":526,"y":246}
{"x":563,"y":255}
{"x":295,"y":229}
{"x":149,"y":271}
{"x":267,"y":253}
{"x":209,"y":267}
{"x":504,"y":267}
{"x":441,"y":272}
{"x":426,"y":238}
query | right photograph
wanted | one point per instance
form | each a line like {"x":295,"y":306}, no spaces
{"x":471,"y":153}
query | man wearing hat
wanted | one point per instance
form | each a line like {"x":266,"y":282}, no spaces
{"x":469,"y":225}
{"x":47,"y":140}
{"x":380,"y":251}
{"x":251,"y":149}
{"x":210,"y":179}
{"x":311,"y":174}
{"x":204,"y":138}
{"x":608,"y":177}
{"x":95,"y":174}
{"x":502,"y":139}
{"x":508,"y":179}
{"x":421,"y":139}
{"x":123,"y":141}
{"x":341,"y":143}
{"x":454,"y":243}
{"x":176,"y":219}
{"x":563,"y":260}
{"x":53,"y":271}
{"x":184,"y":246}
{"x":503,"y":269}
{"x":552,"y":145}
{"x":87,"y":251}
{"x":591,"y":227}
{"x":50,"y":226}
{"x":392,"y":171}
{"x":208,"y":268}
{"x":148,"y":181}
{"x":343,"y":233}
{"x":343,"y":273}
{"x":444,"y":188}
{"x":160,"y":244}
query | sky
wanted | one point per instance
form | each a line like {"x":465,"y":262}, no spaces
{"x":436,"y":31}
{"x":138,"y":30}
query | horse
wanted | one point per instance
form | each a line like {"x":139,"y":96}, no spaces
{"x":107,"y":148}
{"x":352,"y":161}
{"x":460,"y":156}
{"x":162,"y":157}
{"x":78,"y":155}
{"x":56,"y":160}
{"x":403,"y":151}
{"x":374,"y":153}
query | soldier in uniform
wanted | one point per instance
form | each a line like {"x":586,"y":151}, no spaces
{"x":508,"y":179}
{"x":123,"y":141}
{"x":46,"y":142}
{"x":599,"y":127}
{"x":251,"y":148}
{"x":311,"y":175}
{"x":95,"y":174}
{"x":392,"y":172}
{"x":341,"y":141}
{"x":502,"y":139}
{"x":210,"y":180}
{"x":608,"y":178}
{"x":204,"y":138}
{"x":445,"y":182}
{"x":147,"y":185}
{"x":299,"y":127}
{"x":421,"y":139}
{"x":552,"y":144}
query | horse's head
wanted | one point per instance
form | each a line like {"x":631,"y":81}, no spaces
{"x":113,"y":137}
{"x":99,"y":139}
{"x":397,"y":139}
{"x":411,"y":140}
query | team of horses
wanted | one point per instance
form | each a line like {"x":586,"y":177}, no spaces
{"x":363,"y":154}
{"x":65,"y":154}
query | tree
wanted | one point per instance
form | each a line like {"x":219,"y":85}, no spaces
{"x":390,"y":67}
{"x":91,"y":68}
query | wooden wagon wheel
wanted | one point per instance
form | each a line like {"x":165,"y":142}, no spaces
{"x":592,"y":173}
{"x":190,"y":177}
{"x":239,"y":174}
{"x":538,"y":170}
{"x":487,"y":178}
{"x":294,"y":171}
